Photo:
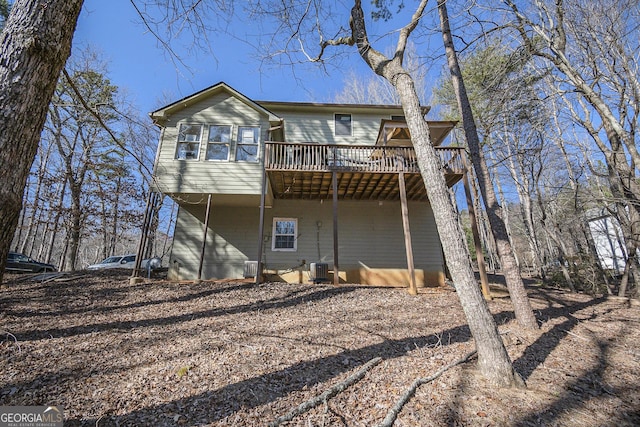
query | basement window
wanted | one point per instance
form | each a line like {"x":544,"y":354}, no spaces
{"x":284,"y":234}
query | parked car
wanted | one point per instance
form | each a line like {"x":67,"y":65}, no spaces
{"x":116,"y":261}
{"x":20,"y":263}
{"x":125,"y":261}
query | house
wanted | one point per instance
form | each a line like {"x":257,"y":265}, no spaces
{"x":608,"y":239}
{"x":298,"y":191}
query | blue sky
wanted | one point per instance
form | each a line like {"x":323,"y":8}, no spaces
{"x":138,"y":65}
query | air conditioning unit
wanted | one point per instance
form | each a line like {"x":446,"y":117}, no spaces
{"x":319,"y":272}
{"x":250,"y":269}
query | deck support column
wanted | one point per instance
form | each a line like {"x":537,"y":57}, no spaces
{"x":484,"y":280}
{"x":413,"y":288}
{"x":336,"y":268}
{"x":204,"y":238}
{"x":261,"y":226}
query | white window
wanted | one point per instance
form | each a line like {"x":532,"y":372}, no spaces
{"x":189,"y":142}
{"x":219,"y":142}
{"x":248,"y":138}
{"x":285,"y":231}
{"x":342,"y":124}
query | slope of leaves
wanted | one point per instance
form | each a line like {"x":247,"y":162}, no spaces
{"x":234,"y":353}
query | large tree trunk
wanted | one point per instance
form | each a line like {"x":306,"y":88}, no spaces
{"x":493,"y":359}
{"x":34,"y":46}
{"x":492,"y":356}
{"x":519,"y":298}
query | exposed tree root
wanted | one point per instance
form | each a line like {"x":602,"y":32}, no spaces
{"x":395,"y":409}
{"x":333,"y":391}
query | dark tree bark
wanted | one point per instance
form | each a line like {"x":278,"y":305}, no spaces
{"x":510,"y":269}
{"x":34,"y":47}
{"x":493,"y":359}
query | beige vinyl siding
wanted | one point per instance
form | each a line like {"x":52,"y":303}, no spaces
{"x":318,"y":127}
{"x":206,"y":176}
{"x":232,"y":239}
{"x":370,"y":235}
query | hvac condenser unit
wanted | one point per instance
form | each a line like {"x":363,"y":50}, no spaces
{"x":319,"y":271}
{"x":250,"y":269}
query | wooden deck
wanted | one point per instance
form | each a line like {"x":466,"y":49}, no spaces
{"x":305,"y":171}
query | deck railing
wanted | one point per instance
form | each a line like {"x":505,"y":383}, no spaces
{"x":358,"y":158}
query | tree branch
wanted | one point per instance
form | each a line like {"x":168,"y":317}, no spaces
{"x":349,"y":41}
{"x":175,"y":58}
{"x":406,"y":31}
{"x":333,"y":391}
{"x":95,"y":114}
{"x":395,"y":409}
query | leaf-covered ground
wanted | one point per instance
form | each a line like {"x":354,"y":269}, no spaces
{"x":236,"y":354}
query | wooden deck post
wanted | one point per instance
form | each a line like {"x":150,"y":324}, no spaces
{"x":336,"y":268}
{"x":413,"y":288}
{"x":204,"y":237}
{"x":261,"y":226}
{"x":484,"y":280}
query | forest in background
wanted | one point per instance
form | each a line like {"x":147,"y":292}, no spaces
{"x":88,"y":187}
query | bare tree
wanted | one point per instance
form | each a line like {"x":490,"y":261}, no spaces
{"x":35,"y":206}
{"x":519,"y":298}
{"x":593,"y":49}
{"x":493,"y":359}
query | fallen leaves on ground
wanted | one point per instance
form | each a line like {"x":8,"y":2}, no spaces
{"x":235,"y":353}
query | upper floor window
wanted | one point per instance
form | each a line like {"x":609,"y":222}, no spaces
{"x":342,"y":124}
{"x":284,"y":234}
{"x":219,"y":142}
{"x":248,"y":138}
{"x":189,"y":137}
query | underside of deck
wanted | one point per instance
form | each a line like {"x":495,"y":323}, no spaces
{"x":351,"y":185}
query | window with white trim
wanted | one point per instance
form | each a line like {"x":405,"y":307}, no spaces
{"x":342,"y":124}
{"x":285,"y":231}
{"x":189,"y":137}
{"x":219,"y":142}
{"x":247,"y":148}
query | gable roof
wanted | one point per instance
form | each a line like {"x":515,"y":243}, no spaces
{"x":395,"y":133}
{"x":160,"y":115}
